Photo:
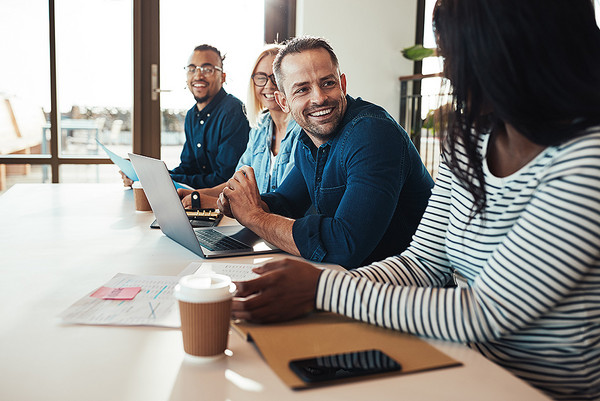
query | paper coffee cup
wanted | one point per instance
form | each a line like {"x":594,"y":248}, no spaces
{"x":139,"y":196}
{"x":205,"y":310}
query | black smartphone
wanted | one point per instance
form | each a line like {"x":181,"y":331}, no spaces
{"x":342,"y":366}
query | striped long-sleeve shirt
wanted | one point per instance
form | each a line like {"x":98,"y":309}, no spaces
{"x":533,"y":300}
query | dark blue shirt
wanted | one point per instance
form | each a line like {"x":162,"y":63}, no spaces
{"x":215,"y":138}
{"x":368,"y":186}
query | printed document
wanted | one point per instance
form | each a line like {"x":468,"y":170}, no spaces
{"x":154,"y":304}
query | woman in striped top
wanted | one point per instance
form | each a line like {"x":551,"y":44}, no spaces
{"x":515,"y":213}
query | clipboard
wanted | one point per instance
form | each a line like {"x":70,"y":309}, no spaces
{"x":327,"y":333}
{"x":127,"y":167}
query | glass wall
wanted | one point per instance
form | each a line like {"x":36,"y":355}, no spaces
{"x":24,"y":87}
{"x":94,"y":62}
{"x":93,"y":42}
{"x":11,"y":174}
{"x":95,"y":173}
{"x":432,"y":98}
{"x":93,"y":54}
{"x":238,"y":33}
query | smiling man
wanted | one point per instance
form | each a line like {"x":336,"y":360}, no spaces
{"x":216,"y":127}
{"x":356,"y":170}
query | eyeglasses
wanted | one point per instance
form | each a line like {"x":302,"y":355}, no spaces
{"x":205,"y":69}
{"x":260,"y":79}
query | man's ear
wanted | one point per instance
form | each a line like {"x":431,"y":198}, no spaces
{"x":281,"y":101}
{"x":343,"y":83}
{"x":223,"y":77}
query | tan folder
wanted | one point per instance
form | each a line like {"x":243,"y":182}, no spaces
{"x":325,"y":333}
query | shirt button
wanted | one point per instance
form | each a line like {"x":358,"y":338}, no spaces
{"x":318,"y":179}
{"x":273,"y":187}
{"x":199,"y":145}
{"x":203,"y":167}
{"x":208,"y":115}
{"x":201,"y":122}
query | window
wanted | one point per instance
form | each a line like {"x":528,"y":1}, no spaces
{"x":24,"y":89}
{"x":94,"y":74}
{"x":422,"y":95}
{"x":92,"y":48}
{"x":81,"y":73}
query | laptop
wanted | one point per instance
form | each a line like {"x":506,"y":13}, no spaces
{"x":206,"y":242}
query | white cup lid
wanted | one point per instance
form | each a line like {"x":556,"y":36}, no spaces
{"x":136,"y":184}
{"x":207,"y":287}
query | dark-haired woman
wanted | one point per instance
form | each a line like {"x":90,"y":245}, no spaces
{"x":514,"y":217}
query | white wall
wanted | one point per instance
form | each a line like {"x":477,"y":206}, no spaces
{"x":367,"y":37}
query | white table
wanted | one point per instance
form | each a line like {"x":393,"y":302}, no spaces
{"x":60,"y":241}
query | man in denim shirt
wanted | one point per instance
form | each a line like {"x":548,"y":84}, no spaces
{"x":216,"y":128}
{"x":354,"y":164}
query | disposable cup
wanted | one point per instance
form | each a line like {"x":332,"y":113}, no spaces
{"x":139,"y":196}
{"x":205,"y":309}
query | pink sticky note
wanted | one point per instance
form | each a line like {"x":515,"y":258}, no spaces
{"x":100,"y":292}
{"x":122,"y":294}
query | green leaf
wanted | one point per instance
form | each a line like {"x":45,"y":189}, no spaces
{"x":418,"y":52}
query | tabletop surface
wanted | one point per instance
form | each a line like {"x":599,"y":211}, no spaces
{"x":58,"y":242}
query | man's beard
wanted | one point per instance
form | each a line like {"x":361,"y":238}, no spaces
{"x":318,"y":130}
{"x":202,"y":99}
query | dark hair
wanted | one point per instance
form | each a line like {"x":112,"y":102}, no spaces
{"x":533,"y":64}
{"x":206,"y":47}
{"x":299,"y":45}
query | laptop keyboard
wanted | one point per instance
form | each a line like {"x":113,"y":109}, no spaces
{"x":215,"y":241}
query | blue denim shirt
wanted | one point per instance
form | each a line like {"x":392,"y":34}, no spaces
{"x":258,"y":154}
{"x":368,"y":186}
{"x":215,"y":138}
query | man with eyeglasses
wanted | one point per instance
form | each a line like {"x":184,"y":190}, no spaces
{"x":216,"y":127}
{"x":354,"y":165}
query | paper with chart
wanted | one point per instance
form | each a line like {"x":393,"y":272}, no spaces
{"x":154,"y":304}
{"x":237,"y":272}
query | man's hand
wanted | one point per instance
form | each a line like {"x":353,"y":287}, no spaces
{"x":240,"y":197}
{"x":127,"y":182}
{"x":186,"y":197}
{"x":285,"y":290}
{"x":182,"y":192}
{"x":223,"y":205}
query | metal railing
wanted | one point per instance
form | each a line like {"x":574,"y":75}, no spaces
{"x":420,"y":97}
